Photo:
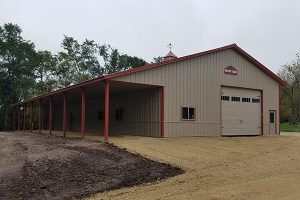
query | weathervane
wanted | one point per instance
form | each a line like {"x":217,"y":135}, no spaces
{"x":169,"y":46}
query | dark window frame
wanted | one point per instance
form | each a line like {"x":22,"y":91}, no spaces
{"x":255,"y":100}
{"x":225,"y":98}
{"x":188,"y":113}
{"x":272,"y":120}
{"x":246,"y":99}
{"x":236,"y":99}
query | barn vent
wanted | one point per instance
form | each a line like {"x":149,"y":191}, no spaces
{"x":170,"y":56}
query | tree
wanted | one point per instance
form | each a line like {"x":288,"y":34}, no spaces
{"x":158,"y":59}
{"x":116,"y":62}
{"x":24,"y":72}
{"x":290,"y":94}
{"x":45,"y":73}
{"x":17,"y":66}
{"x":78,"y":62}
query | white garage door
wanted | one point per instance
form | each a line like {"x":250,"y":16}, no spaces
{"x":241,"y":111}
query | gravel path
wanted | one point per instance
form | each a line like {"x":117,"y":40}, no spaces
{"x":217,"y":168}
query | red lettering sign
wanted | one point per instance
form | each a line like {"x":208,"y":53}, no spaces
{"x":230,"y":70}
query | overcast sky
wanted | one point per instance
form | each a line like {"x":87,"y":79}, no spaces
{"x":267,"y":29}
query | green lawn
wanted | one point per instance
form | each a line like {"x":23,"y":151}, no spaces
{"x":287,"y":127}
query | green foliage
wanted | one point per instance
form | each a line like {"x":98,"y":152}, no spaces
{"x":80,"y":62}
{"x":24,"y":72}
{"x":158,"y":59}
{"x":77,"y":63}
{"x":293,"y":122}
{"x":116,"y":62}
{"x":288,"y":127}
{"x":290,"y":94}
{"x":17,"y":63}
{"x":45,"y":73}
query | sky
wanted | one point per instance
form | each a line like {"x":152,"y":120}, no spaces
{"x":269,"y":30}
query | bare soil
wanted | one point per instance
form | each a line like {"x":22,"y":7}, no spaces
{"x":260,"y":168}
{"x":36,"y":166}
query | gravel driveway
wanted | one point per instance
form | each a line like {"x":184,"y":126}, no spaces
{"x":216,"y":168}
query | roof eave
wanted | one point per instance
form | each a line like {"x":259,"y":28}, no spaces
{"x":154,"y":65}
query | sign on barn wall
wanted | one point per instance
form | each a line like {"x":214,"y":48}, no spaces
{"x":230,"y":70}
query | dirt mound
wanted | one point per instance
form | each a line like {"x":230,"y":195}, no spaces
{"x":87,"y":169}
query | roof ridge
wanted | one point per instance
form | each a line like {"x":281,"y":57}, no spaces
{"x":154,"y":65}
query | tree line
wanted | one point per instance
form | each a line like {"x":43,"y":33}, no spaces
{"x":290,"y":94}
{"x":26,"y":72}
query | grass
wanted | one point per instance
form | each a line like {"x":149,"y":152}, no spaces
{"x":287,"y":127}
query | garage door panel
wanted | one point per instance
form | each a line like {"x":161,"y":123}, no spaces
{"x":240,"y":118}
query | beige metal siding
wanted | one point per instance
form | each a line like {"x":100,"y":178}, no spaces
{"x":141,"y":113}
{"x":197,"y":82}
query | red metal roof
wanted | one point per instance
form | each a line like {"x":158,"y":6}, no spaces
{"x":154,"y":65}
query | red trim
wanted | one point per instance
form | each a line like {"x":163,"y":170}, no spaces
{"x":259,"y":65}
{"x":40,"y":116}
{"x":154,"y":65}
{"x":261,"y":104}
{"x":262,"y":111}
{"x":24,"y":117}
{"x":232,"y":46}
{"x":162,"y":126}
{"x":133,"y":83}
{"x":31,"y":117}
{"x":82,"y":112}
{"x":246,"y":88}
{"x":61,"y":90}
{"x":50,"y":116}
{"x":64,"y":115}
{"x":278,"y":109}
{"x":106,"y":115}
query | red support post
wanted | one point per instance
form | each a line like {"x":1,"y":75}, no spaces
{"x":162,"y":126}
{"x":31,"y":117}
{"x":278,"y":109}
{"x":106,"y":115}
{"x":19,"y":119}
{"x":14,"y":119}
{"x":82,"y":112}
{"x":24,"y":117}
{"x":50,"y":116}
{"x":65,"y":115}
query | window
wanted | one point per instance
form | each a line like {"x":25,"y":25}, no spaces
{"x":272,"y":117}
{"x":119,"y":114}
{"x":236,"y":99}
{"x":225,"y":98}
{"x":244,"y":99}
{"x":254,"y":100}
{"x":188,"y":113}
{"x":100,"y":115}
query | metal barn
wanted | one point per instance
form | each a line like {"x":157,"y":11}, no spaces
{"x":219,"y":92}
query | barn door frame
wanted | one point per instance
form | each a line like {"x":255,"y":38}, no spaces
{"x":261,"y":105}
